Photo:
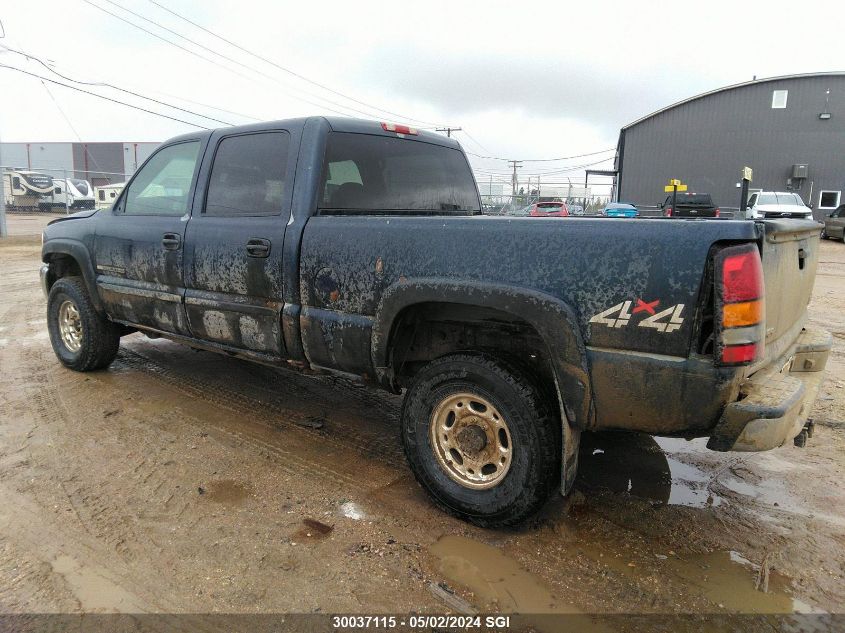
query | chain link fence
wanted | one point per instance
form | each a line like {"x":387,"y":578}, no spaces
{"x":34,"y":190}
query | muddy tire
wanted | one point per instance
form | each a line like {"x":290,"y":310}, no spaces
{"x":480,"y":439}
{"x":82,"y":339}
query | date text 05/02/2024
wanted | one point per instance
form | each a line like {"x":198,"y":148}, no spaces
{"x":452,"y":622}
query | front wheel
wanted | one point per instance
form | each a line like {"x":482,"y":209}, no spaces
{"x":480,"y":438}
{"x":82,"y":338}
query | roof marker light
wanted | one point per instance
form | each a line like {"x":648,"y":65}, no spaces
{"x":399,"y":129}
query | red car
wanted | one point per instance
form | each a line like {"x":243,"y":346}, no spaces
{"x":549,"y":210}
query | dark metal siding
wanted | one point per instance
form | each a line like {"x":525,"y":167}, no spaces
{"x":104,"y":164}
{"x":706,"y":141}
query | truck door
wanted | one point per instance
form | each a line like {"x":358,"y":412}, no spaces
{"x":139,"y":243}
{"x":234,"y":241}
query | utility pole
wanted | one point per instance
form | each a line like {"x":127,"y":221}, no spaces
{"x":516,"y":165}
{"x":448,"y":130}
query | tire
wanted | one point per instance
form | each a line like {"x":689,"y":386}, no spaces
{"x":532,"y":435}
{"x":824,"y":235}
{"x":98,"y":339}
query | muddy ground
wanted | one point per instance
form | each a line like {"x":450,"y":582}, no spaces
{"x":184,"y":481}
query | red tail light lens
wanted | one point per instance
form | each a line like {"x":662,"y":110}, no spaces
{"x":668,"y":212}
{"x":718,"y":213}
{"x":739,"y":354}
{"x":740,"y":311}
{"x":742,"y":275}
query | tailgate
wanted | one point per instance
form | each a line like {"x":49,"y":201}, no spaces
{"x":790,"y":253}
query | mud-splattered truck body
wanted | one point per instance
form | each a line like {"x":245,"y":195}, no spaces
{"x":359,"y":247}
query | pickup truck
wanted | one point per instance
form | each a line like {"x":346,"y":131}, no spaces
{"x":358,"y":247}
{"x":690,"y":205}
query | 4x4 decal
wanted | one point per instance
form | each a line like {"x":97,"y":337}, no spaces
{"x":665,"y":321}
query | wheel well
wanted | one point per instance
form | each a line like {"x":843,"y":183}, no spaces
{"x":61,"y":265}
{"x":426,"y":331}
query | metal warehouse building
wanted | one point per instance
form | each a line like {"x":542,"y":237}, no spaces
{"x":790,"y":130}
{"x":98,"y":163}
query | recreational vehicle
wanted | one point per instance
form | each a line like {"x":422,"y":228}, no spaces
{"x":24,"y":189}
{"x":107,"y":194}
{"x":72,"y":193}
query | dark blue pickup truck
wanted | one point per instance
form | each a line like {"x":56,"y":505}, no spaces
{"x":359,"y":247}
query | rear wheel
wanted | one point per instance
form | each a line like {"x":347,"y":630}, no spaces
{"x":480,"y":439}
{"x":82,"y":338}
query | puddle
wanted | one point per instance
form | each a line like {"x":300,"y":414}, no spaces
{"x":352,"y":510}
{"x":93,"y":591}
{"x":226,"y":491}
{"x":636,"y":464}
{"x":311,"y":530}
{"x":729,"y":580}
{"x":495,"y":579}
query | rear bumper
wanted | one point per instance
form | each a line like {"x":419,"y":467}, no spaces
{"x":775,"y":402}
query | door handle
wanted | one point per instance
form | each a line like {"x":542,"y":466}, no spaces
{"x":171,"y":241}
{"x":258,"y":247}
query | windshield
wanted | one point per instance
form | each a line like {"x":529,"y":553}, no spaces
{"x":788,"y":199}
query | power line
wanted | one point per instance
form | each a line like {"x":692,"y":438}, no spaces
{"x":112,"y":86}
{"x":223,"y":66}
{"x":287,"y":70}
{"x":544,"y":160}
{"x":241,"y":64}
{"x":94,"y":94}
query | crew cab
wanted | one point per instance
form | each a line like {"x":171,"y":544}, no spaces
{"x":359,"y":248}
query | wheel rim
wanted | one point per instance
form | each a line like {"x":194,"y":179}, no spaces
{"x":471,"y":440}
{"x":70,"y":326}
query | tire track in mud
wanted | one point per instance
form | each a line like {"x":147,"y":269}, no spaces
{"x":269,"y":412}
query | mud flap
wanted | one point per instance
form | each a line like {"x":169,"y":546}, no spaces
{"x":569,"y":459}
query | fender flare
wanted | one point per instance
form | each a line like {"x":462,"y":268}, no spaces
{"x":554,"y":320}
{"x":76,"y":250}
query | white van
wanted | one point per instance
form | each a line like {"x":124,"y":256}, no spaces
{"x":776,"y":204}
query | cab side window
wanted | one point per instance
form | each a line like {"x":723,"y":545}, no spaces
{"x":248,"y":175}
{"x":163,"y":185}
{"x":752,"y":200}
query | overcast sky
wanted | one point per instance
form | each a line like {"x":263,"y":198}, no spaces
{"x":525,"y":80}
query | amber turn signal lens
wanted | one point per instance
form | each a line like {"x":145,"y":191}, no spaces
{"x":742,"y":314}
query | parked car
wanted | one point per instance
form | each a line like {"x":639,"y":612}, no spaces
{"x":776,"y":204}
{"x":355,"y":247}
{"x":690,"y":205}
{"x":620,"y":210}
{"x":549,"y":210}
{"x":576,"y":209}
{"x":519,"y":212}
{"x":834,"y":224}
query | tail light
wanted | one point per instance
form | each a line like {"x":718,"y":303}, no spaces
{"x":740,"y":307}
{"x":399,"y":129}
{"x":718,"y":213}
{"x":667,"y":212}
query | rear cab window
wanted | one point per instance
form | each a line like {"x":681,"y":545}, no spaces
{"x":365,"y":173}
{"x":248,"y":175}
